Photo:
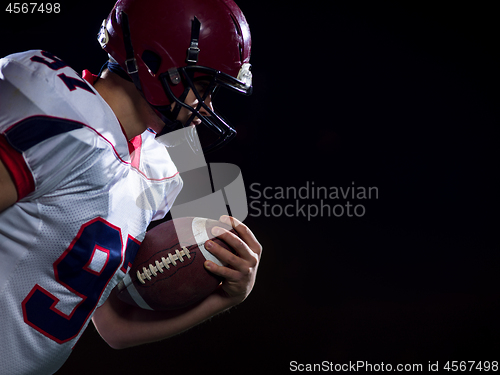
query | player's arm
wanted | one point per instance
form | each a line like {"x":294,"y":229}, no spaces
{"x":123,"y":325}
{"x":8,"y":191}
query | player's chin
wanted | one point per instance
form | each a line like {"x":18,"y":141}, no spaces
{"x":195,"y":122}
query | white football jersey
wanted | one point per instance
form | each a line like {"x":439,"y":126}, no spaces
{"x":86,"y":195}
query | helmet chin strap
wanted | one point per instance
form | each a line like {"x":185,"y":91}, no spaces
{"x":130,"y":61}
{"x":194,"y":50}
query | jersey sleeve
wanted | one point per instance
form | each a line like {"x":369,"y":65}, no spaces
{"x":36,"y":147}
{"x":40,"y":152}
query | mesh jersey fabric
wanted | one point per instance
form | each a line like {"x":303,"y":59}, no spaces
{"x":85,"y":204}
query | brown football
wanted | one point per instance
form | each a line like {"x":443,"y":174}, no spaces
{"x":168,"y":271}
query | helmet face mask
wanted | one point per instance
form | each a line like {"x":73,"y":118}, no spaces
{"x":167,"y":47}
{"x":221,"y":131}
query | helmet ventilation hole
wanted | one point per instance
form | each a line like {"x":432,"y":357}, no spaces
{"x":152,"y":61}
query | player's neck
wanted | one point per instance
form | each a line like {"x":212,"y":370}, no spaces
{"x":123,"y":98}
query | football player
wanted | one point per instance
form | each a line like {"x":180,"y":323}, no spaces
{"x":75,"y":153}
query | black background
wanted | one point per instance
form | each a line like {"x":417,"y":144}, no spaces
{"x":402,"y":97}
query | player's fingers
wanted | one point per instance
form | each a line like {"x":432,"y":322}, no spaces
{"x":226,"y":256}
{"x":244,"y":232}
{"x":224,"y":272}
{"x":240,"y":247}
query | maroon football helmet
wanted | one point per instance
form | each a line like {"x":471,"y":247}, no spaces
{"x":165,"y":46}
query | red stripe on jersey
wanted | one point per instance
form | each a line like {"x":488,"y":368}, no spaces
{"x":16,"y":165}
{"x":134,"y":147}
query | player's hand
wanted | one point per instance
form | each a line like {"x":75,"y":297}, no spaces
{"x":241,"y":269}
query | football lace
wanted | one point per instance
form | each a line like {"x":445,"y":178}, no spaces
{"x":153,"y":269}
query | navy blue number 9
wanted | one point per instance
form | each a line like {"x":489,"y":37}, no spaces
{"x":72,"y":270}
